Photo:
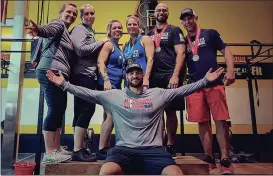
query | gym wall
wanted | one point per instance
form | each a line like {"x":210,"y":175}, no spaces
{"x":237,"y":22}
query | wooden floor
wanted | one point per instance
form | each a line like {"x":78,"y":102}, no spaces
{"x":189,"y":165}
{"x":240,"y":168}
{"x":248,"y":169}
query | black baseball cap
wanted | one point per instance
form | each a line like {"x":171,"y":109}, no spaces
{"x":187,"y":12}
{"x":133,"y":67}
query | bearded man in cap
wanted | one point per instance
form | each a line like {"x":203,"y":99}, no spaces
{"x":138,"y":124}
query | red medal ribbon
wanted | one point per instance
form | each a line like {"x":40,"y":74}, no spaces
{"x":194,"y":49}
{"x":158,"y":36}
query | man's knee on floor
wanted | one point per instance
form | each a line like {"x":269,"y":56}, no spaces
{"x":111,"y":168}
{"x":172,"y":170}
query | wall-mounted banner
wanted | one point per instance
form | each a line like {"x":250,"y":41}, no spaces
{"x":260,"y":70}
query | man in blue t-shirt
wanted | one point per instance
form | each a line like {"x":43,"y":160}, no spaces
{"x":201,"y":55}
{"x":167,"y":71}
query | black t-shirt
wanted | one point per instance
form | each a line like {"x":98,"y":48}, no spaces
{"x":209,"y":42}
{"x":165,"y":60}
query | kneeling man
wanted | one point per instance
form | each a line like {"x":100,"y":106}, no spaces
{"x":138,"y":121}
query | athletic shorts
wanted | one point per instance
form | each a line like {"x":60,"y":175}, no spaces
{"x":206,"y":102}
{"x":141,"y":160}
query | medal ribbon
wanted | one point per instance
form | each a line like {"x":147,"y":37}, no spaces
{"x":131,"y":49}
{"x":158,"y":36}
{"x":91,"y":31}
{"x":194,"y":49}
{"x":121,"y":53}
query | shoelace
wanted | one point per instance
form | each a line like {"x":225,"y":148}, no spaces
{"x":56,"y":152}
{"x":87,"y":152}
{"x":64,"y":147}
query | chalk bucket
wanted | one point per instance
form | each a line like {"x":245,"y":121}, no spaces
{"x":24,"y":168}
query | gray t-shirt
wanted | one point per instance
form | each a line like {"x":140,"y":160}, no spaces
{"x":87,"y":48}
{"x":137,"y":117}
{"x":60,"y":52}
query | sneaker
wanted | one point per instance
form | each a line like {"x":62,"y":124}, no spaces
{"x":226,"y":167}
{"x":102,"y":153}
{"x":55,"y":157}
{"x":211,"y":162}
{"x":64,"y":151}
{"x":83,"y":156}
{"x":171,"y":150}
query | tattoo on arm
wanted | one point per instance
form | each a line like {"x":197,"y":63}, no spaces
{"x":103,"y":71}
{"x":105,"y":76}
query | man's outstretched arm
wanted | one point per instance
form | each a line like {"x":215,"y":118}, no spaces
{"x":98,"y":97}
{"x":170,"y":94}
{"x":94,"y":96}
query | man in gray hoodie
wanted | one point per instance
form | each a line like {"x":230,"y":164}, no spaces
{"x":138,"y":121}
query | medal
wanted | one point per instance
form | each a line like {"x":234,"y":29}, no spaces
{"x":195,"y":58}
{"x":194,"y":48}
{"x":158,"y":38}
{"x":129,"y":50}
{"x":130,"y":61}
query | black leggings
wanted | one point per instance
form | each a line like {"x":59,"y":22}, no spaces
{"x":83,"y":110}
{"x":56,"y":100}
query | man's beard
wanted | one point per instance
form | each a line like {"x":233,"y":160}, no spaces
{"x":131,"y":84}
{"x":163,"y":20}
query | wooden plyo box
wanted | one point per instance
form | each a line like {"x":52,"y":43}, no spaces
{"x":189,"y":165}
{"x":192,"y":166}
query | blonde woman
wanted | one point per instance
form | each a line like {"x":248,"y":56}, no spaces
{"x":110,"y":63}
{"x":139,"y":49}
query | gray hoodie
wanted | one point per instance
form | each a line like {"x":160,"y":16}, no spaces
{"x":87,"y":48}
{"x":60,"y":53}
{"x":137,"y":117}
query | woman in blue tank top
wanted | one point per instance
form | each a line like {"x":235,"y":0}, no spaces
{"x":110,"y":62}
{"x":139,"y":49}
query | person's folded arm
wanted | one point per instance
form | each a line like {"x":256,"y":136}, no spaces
{"x":81,"y":48}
